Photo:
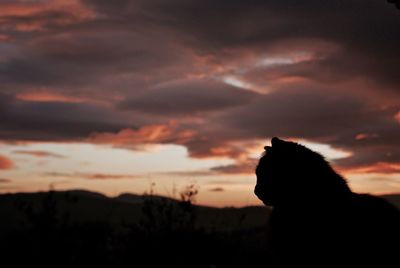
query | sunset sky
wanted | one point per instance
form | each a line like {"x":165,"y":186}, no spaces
{"x":113,"y":96}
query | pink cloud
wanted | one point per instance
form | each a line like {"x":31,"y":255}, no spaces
{"x":363,"y":136}
{"x":379,"y":167}
{"x":397,"y":117}
{"x":217,"y":189}
{"x":44,"y":95}
{"x":150,"y":134}
{"x":38,"y":153}
{"x":91,"y":176}
{"x":6,"y":163}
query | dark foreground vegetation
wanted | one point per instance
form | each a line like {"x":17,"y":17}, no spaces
{"x":85,"y":229}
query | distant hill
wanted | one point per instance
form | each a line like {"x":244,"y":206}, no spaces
{"x":393,"y":198}
{"x":85,"y":206}
{"x":137,"y":199}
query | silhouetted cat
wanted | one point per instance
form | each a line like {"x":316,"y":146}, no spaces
{"x":317,"y":221}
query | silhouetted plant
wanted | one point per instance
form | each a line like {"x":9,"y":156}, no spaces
{"x":166,"y":214}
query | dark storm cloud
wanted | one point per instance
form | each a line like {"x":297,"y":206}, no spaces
{"x":131,"y":31}
{"x":37,"y":21}
{"x":72,"y":51}
{"x":367,"y":31}
{"x":148,"y":37}
{"x":331,"y":69}
{"x":117,"y":7}
{"x":188,"y":98}
{"x":300,"y":113}
{"x":24,"y":120}
{"x":88,"y":60}
{"x":385,"y":148}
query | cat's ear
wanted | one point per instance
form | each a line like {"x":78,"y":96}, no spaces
{"x":276,"y":142}
{"x":267,"y":148}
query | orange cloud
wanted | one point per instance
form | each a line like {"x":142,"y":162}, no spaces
{"x":380,"y":167}
{"x":44,"y":95}
{"x":240,"y":150}
{"x":240,"y":167}
{"x":397,"y":117}
{"x":39,"y":153}
{"x":217,"y":189}
{"x":363,"y":136}
{"x":28,"y":8}
{"x":18,"y":9}
{"x":151,"y":134}
{"x":290,"y":80}
{"x":37,"y":16}
{"x":91,"y":176}
{"x":5,"y":163}
{"x":4,"y":37}
{"x":100,"y":176}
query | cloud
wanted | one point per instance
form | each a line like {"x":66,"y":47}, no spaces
{"x":217,"y":189}
{"x":363,"y":136}
{"x":117,"y":72}
{"x":309,"y":113}
{"x":188,"y":174}
{"x":39,"y":153}
{"x":149,"y":134}
{"x":90,"y":176}
{"x":38,"y":21}
{"x":240,"y":167}
{"x":188,"y":98}
{"x":397,"y":117}
{"x":225,"y":182}
{"x":230,"y":30}
{"x":43,"y":95}
{"x":252,"y":33}
{"x":319,"y":115}
{"x":128,"y":55}
{"x":56,"y":121}
{"x":379,"y":167}
{"x":28,"y":16}
{"x":5,"y":163}
{"x":90,"y":56}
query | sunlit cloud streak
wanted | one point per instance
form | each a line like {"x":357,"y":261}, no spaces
{"x":6,"y":163}
{"x":38,"y":153}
